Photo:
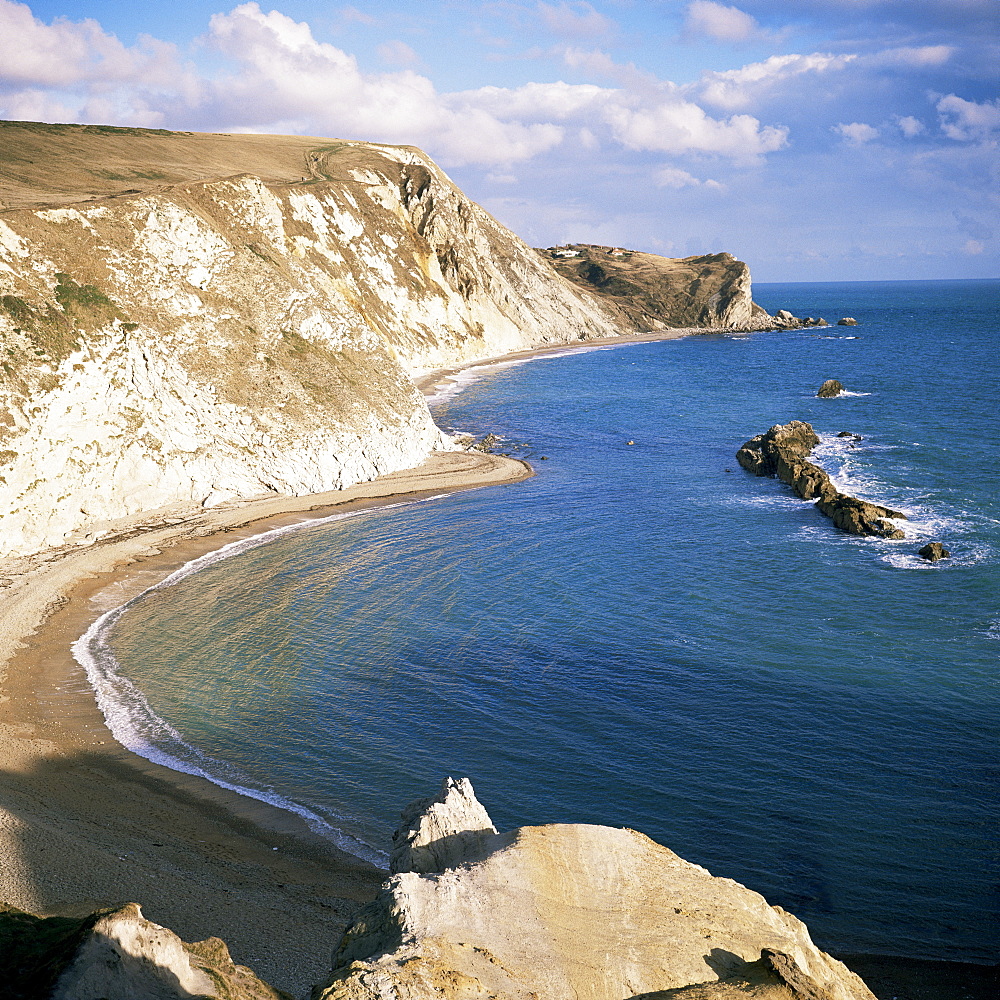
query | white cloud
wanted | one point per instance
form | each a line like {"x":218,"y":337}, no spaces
{"x":968,"y":121}
{"x":716,"y":20}
{"x":919,"y":57}
{"x":857,"y":133}
{"x":397,"y":53}
{"x":675,"y":178}
{"x":68,"y":52}
{"x":575,"y":20}
{"x":741,"y":88}
{"x":973,"y":248}
{"x":281,"y":78}
{"x":910,"y":126}
{"x":679,"y":126}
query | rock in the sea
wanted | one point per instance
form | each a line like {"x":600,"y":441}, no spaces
{"x":933,"y":551}
{"x":847,"y":321}
{"x":831,"y":387}
{"x":782,"y":452}
{"x":566,"y":912}
{"x":760,"y":454}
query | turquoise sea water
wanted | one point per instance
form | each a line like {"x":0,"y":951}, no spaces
{"x":644,"y":635}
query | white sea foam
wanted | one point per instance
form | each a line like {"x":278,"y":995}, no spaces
{"x":134,"y":724}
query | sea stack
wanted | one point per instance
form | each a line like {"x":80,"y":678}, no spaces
{"x":830,"y":388}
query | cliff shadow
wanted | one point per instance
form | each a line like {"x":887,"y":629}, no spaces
{"x":85,"y":831}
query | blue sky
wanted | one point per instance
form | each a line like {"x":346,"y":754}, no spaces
{"x":815,"y":139}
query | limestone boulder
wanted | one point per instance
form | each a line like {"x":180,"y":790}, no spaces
{"x":847,"y":321}
{"x":567,"y":912}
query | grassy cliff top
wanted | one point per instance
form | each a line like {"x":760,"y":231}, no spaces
{"x":45,"y":165}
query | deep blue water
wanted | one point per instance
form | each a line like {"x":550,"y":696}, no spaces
{"x":644,"y":635}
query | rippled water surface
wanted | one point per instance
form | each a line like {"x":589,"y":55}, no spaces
{"x":645,"y":635}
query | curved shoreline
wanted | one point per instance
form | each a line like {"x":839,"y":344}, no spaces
{"x":78,"y":811}
{"x":85,"y":823}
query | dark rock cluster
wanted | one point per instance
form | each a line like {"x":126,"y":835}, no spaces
{"x":784,"y":320}
{"x":783,"y":452}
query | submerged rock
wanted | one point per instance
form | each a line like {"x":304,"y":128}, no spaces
{"x":564,"y":912}
{"x":933,"y":551}
{"x":830,"y":388}
{"x":782,"y":452}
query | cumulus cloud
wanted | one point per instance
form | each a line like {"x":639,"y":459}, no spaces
{"x":675,"y":178}
{"x":910,"y":126}
{"x":968,"y":121}
{"x":279,"y":77}
{"x":856,"y":133}
{"x":68,"y":52}
{"x":717,"y":21}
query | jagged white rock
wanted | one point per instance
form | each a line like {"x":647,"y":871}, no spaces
{"x":439,"y":832}
{"x":568,"y":912}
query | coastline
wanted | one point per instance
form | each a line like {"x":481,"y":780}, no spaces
{"x":85,"y":823}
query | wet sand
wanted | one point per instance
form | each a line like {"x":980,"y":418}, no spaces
{"x":84,"y":823}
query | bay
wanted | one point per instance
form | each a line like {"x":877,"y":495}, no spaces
{"x":644,"y":635}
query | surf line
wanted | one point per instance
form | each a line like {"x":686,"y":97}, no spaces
{"x":136,"y":726}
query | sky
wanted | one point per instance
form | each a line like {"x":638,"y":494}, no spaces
{"x":818,"y":140}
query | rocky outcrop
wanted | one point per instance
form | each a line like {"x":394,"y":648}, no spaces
{"x":847,"y":321}
{"x":117,"y":955}
{"x":933,"y":552}
{"x":782,"y":452}
{"x":441,"y":831}
{"x":650,"y":292}
{"x":830,"y":388}
{"x":784,"y":320}
{"x":236,"y":316}
{"x":572,"y":912}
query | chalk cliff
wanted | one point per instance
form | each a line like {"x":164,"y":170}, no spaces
{"x":565,"y":913}
{"x":171,"y":338}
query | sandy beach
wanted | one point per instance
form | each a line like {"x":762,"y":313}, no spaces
{"x":85,"y":823}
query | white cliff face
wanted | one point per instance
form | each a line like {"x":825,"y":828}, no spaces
{"x":231,"y":338}
{"x":568,"y":912}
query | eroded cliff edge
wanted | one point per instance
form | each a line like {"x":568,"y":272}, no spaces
{"x":565,"y":912}
{"x":189,"y":341}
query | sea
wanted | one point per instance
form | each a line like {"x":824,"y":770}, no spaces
{"x":643,"y":634}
